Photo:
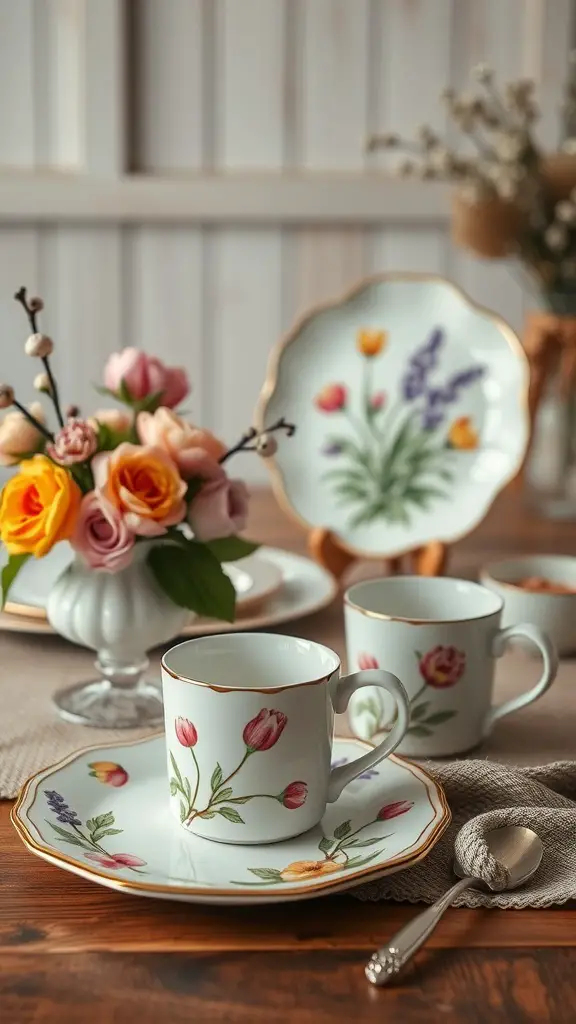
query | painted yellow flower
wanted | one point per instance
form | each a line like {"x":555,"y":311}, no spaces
{"x":299,"y":870}
{"x":462,"y":434}
{"x":370,"y":343}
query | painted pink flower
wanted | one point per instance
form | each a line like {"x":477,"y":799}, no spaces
{"x":366,"y":661}
{"x":108,"y":772}
{"x":116,"y":860}
{"x":101,"y":535}
{"x":377,"y":400}
{"x":186,"y":732}
{"x":75,"y":442}
{"x":294,"y":795}
{"x":442,"y":666}
{"x":331,"y":398}
{"x":145,"y":375}
{"x":220,"y":509}
{"x":394,"y":809}
{"x":265,"y":730}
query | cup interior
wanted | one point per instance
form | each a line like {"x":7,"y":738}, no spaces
{"x":251,"y":661}
{"x":423,"y":599}
{"x":558,"y":568}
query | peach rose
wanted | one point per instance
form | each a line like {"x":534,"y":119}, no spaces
{"x":38,"y":507}
{"x":116,"y":419}
{"x":183,"y":442}
{"x":18,"y":436}
{"x":144,"y":484}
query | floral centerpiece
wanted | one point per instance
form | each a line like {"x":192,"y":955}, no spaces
{"x":125,"y":487}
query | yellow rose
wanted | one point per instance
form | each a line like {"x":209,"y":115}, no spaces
{"x":144,"y":484}
{"x":462,"y":434}
{"x":183,"y":442}
{"x":38,"y":507}
{"x":370,"y":343}
{"x":299,"y":870}
{"x":18,"y":436}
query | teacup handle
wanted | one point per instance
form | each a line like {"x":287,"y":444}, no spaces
{"x":549,"y":657}
{"x":345,"y":687}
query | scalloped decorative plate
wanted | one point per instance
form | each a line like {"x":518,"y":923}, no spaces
{"x":412,"y":414}
{"x":85,"y":815}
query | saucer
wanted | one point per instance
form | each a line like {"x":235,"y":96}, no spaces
{"x":85,"y":815}
{"x":412,"y":413}
{"x":306,"y":589}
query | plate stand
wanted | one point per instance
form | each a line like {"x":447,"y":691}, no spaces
{"x":332,"y":554}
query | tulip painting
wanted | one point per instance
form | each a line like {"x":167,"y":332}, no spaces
{"x":259,"y":735}
{"x":340,"y":850}
{"x":89,"y":834}
{"x":440,"y":667}
{"x":396,"y":457}
{"x":109,"y":773}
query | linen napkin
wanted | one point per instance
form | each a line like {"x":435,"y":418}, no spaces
{"x":484,"y":795}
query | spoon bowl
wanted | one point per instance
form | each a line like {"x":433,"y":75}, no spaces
{"x":519,"y":850}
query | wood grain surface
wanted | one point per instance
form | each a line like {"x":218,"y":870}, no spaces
{"x":72,"y":952}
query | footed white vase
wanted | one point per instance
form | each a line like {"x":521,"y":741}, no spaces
{"x":121,"y":616}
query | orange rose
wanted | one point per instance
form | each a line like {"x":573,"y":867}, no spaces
{"x":38,"y":507}
{"x":299,"y":870}
{"x":188,"y":446}
{"x":144,"y":484}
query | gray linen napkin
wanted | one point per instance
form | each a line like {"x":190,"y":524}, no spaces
{"x":483,"y":795}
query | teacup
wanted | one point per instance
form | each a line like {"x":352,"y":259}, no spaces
{"x":441,"y":636}
{"x":249,"y":726}
{"x":555,"y":613}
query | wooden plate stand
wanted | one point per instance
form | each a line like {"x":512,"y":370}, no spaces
{"x":330,"y":552}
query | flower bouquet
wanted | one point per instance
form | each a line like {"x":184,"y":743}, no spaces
{"x":143,"y":498}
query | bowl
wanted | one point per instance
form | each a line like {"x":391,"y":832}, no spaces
{"x":555,"y":613}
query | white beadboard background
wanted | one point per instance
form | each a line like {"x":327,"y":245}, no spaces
{"x":189,"y":175}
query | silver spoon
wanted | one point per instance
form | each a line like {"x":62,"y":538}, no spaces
{"x":519,"y":850}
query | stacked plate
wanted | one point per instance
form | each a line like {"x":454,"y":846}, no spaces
{"x":272,"y":586}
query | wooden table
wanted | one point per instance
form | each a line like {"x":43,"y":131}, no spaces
{"x":72,"y":952}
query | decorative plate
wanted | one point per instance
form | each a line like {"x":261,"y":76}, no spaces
{"x":85,"y":815}
{"x":411,"y":405}
{"x":306,"y":588}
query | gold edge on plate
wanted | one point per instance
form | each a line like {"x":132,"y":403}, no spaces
{"x":403,"y":859}
{"x":273,"y":371}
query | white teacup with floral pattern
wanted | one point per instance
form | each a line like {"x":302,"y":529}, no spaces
{"x":249,"y":726}
{"x":441,"y":636}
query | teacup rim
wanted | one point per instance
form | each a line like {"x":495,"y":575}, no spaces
{"x":386,"y":617}
{"x":219,"y":688}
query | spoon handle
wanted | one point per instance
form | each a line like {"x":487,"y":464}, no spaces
{"x":389,"y":960}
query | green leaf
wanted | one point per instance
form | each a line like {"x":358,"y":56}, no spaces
{"x":418,"y":655}
{"x":10,"y":572}
{"x":97,"y":836}
{"x":102,"y":820}
{"x":176,"y":771}
{"x":231,"y":814}
{"x":439,"y":717}
{"x":70,"y":837}
{"x":182,"y":810}
{"x":193,"y":578}
{"x":326,"y":844}
{"x":216,"y":779}
{"x":124,"y":393}
{"x":356,"y":862}
{"x":268,"y":874}
{"x":342,"y":830}
{"x":232,"y":549}
{"x":207,"y":814}
{"x":419,"y":730}
{"x":419,"y":711}
{"x":173,"y":787}
{"x":187,"y":789}
{"x":91,"y":824}
{"x":239,"y":799}
{"x":361,"y":842}
{"x":223,"y":795}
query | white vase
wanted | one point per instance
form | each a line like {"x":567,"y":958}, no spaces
{"x":121,"y":616}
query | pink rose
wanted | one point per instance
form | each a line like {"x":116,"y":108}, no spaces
{"x":195,"y":451}
{"x":265,"y":730}
{"x":220,"y":509}
{"x":19,"y":437}
{"x":144,"y":376}
{"x":75,"y":442}
{"x":101,"y":535}
{"x":442,"y":666}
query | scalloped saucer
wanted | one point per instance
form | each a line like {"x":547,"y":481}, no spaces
{"x":86,"y":815}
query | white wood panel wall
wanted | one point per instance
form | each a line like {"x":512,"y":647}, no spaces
{"x":224,"y":90}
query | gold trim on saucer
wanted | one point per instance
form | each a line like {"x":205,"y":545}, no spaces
{"x":271,"y":381}
{"x":58,"y":858}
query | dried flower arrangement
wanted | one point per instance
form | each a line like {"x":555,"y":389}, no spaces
{"x":116,"y":479}
{"x":511,"y":198}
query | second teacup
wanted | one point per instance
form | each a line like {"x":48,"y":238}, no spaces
{"x":442,"y":636}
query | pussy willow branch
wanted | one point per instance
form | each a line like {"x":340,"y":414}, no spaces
{"x":245,"y":442}
{"x":20,"y":297}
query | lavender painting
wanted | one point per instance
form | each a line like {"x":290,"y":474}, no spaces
{"x":392,"y":460}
